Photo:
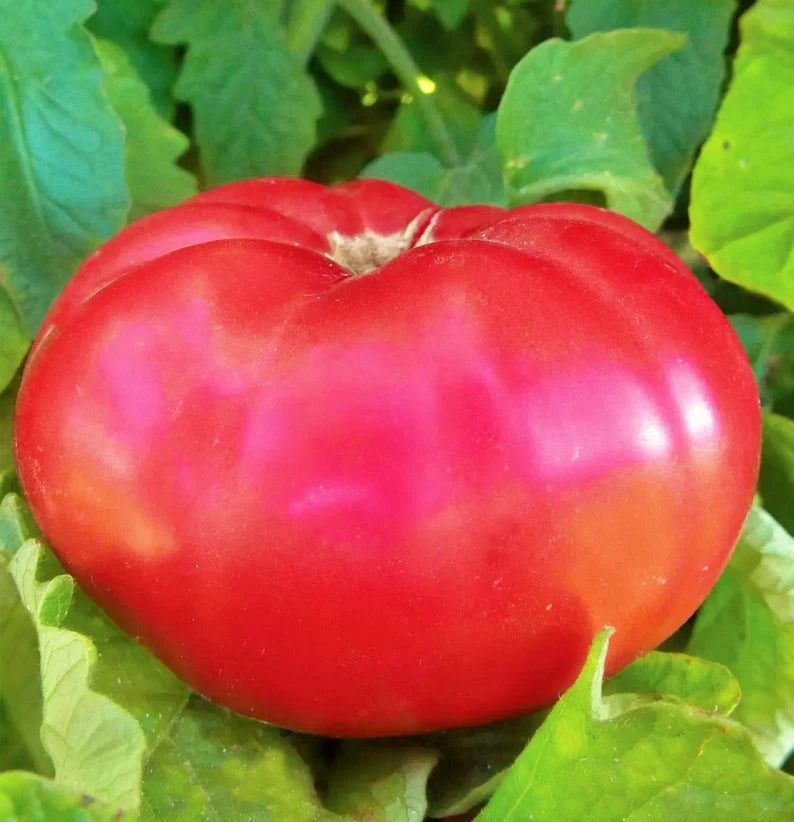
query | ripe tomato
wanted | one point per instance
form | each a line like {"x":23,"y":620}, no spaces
{"x":357,"y":465}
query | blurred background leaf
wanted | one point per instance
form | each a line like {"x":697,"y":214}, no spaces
{"x":742,"y":208}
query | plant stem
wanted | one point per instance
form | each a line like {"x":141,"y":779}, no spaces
{"x":307,"y":22}
{"x":403,"y":65}
{"x":558,"y":18}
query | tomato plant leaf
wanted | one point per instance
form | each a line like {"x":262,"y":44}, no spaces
{"x":769,"y":343}
{"x":420,"y":171}
{"x":256,"y":120}
{"x":703,"y":766}
{"x":477,"y":179}
{"x":14,"y":343}
{"x":127,"y":24}
{"x":450,"y":12}
{"x":474,"y":761}
{"x":380,"y":782}
{"x":707,"y":685}
{"x":742,"y":206}
{"x":96,"y":747}
{"x":128,"y":674}
{"x":409,"y":132}
{"x":13,"y":751}
{"x":122,"y":671}
{"x":354,"y":67}
{"x":33,"y":798}
{"x":552,"y":131}
{"x":216,"y":765}
{"x":747,"y":623}
{"x":7,"y":398}
{"x":776,"y":483}
{"x":20,"y":689}
{"x":152,"y":145}
{"x":61,"y":162}
{"x":677,"y":97}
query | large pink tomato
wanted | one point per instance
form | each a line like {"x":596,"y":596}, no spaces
{"x":357,"y":465}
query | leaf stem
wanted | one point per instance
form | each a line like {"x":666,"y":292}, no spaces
{"x":307,"y":21}
{"x":403,"y":65}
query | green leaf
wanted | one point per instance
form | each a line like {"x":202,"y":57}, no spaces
{"x":478,"y":178}
{"x":14,"y":343}
{"x":256,"y":120}
{"x":451,"y":13}
{"x":409,"y":132}
{"x":15,"y":525}
{"x":568,"y":121}
{"x":20,"y":689}
{"x":95,"y":746}
{"x":769,"y":344}
{"x":776,"y":483}
{"x":354,"y":67}
{"x":127,"y":24}
{"x":14,"y":754}
{"x":152,"y":146}
{"x":742,"y":202}
{"x":215,"y":765}
{"x":381,"y":782}
{"x":61,"y":152}
{"x":677,"y":97}
{"x":120,"y":669}
{"x":747,"y":623}
{"x":27,"y":797}
{"x":128,"y":674}
{"x":629,"y":758}
{"x":7,"y":399}
{"x":421,"y":172}
{"x":474,"y":761}
{"x":707,"y":685}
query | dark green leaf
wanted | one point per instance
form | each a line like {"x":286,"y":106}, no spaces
{"x":152,"y":145}
{"x":7,"y":399}
{"x":420,"y":171}
{"x":127,"y":23}
{"x":742,"y":206}
{"x":554,"y":133}
{"x":776,"y":483}
{"x":256,"y":120}
{"x":61,"y":152}
{"x":478,"y":178}
{"x":678,"y":96}
{"x":14,"y":342}
{"x":769,"y":343}
{"x":381,"y":782}
{"x":354,"y":67}
{"x":474,"y":761}
{"x":449,"y":12}
{"x":409,"y":132}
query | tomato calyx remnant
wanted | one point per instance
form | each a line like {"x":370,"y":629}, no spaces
{"x":364,"y":252}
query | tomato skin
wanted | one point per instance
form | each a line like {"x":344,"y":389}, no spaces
{"x":395,"y":502}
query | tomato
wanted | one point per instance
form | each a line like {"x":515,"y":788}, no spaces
{"x":357,"y":465}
